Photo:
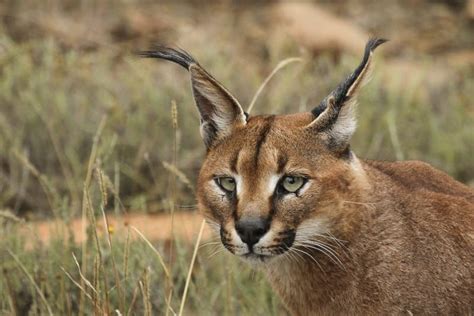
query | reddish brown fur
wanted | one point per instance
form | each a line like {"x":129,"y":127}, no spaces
{"x":408,"y":227}
{"x":356,"y":237}
{"x":412,"y":251}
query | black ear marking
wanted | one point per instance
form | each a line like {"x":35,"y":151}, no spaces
{"x":219,"y":110}
{"x":175,"y":55}
{"x":318,"y":109}
{"x":335,"y":116}
{"x":346,"y":89}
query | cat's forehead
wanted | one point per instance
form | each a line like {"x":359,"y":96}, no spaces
{"x":266,"y":142}
{"x":281,"y":122}
{"x":265,"y":132}
{"x":275,"y":130}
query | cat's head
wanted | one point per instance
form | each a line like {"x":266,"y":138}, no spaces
{"x":272,"y":182}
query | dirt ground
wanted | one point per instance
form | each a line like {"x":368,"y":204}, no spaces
{"x":185,"y":227}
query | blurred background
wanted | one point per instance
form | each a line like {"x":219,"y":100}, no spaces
{"x":87,"y":128}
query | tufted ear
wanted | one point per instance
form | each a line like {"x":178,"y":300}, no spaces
{"x":220,"y":111}
{"x":335,"y":115}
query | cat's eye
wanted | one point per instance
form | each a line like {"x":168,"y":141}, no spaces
{"x":291,"y":184}
{"x":226,"y":183}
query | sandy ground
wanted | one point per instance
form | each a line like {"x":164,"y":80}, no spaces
{"x":185,"y":226}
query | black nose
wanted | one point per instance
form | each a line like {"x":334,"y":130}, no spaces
{"x":251,"y":230}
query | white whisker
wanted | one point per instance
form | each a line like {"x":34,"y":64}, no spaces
{"x":320,"y":243}
{"x":215,"y":253}
{"x":288,"y":255}
{"x":309,"y":255}
{"x":209,"y":243}
{"x":324,"y":250}
{"x":337,"y":242}
{"x":296,"y":256}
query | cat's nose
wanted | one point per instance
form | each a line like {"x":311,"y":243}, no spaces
{"x":252,"y":229}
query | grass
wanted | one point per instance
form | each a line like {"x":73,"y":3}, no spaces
{"x":88,"y":133}
{"x":136,"y":95}
{"x":112,"y":275}
{"x":109,"y":273}
{"x":48,"y":278}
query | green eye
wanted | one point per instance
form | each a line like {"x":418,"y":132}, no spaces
{"x":226,"y":183}
{"x":292,"y":184}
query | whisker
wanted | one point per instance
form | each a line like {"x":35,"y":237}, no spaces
{"x":213,"y":225}
{"x":324,"y":250}
{"x":317,"y":240}
{"x":331,"y":252}
{"x":320,"y":243}
{"x":215,"y":253}
{"x":340,"y":242}
{"x":344,"y":248}
{"x":328,"y":235}
{"x":310,"y":256}
{"x":290,"y":257}
{"x":209,"y":243}
{"x":296,"y":256}
{"x":314,"y":247}
{"x":330,"y":238}
{"x":212,"y":249}
{"x":287,"y":255}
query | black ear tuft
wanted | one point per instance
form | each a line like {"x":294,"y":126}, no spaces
{"x":373,"y":43}
{"x":342,"y":92}
{"x":319,"y":109}
{"x":335,"y":115}
{"x":175,"y":55}
{"x":220,"y":111}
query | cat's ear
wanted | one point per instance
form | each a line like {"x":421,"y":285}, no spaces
{"x":220,"y":111}
{"x":335,"y":115}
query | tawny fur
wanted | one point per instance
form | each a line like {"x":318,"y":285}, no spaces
{"x":393,"y":238}
{"x":406,"y":228}
{"x":410,"y":246}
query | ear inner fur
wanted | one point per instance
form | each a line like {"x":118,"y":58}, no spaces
{"x":220,"y":111}
{"x":335,"y":115}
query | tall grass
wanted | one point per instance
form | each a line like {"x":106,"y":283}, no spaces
{"x":109,"y":273}
{"x":114,"y":274}
{"x":49,"y":278}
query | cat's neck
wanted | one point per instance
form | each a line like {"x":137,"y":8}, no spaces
{"x":309,"y":279}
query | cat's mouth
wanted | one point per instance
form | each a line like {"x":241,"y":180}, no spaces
{"x":253,"y":257}
{"x":274,"y":245}
{"x":264,"y":254}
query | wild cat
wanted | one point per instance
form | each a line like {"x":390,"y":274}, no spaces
{"x":335,"y":234}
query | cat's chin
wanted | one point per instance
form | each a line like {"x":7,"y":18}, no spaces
{"x":257,"y":260}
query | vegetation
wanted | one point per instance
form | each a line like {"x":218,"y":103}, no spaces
{"x":93,"y":130}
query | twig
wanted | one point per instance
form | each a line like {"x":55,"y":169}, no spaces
{"x":160,"y":258}
{"x":190,"y":271}
{"x":280,"y":66}
{"x":50,"y":312}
